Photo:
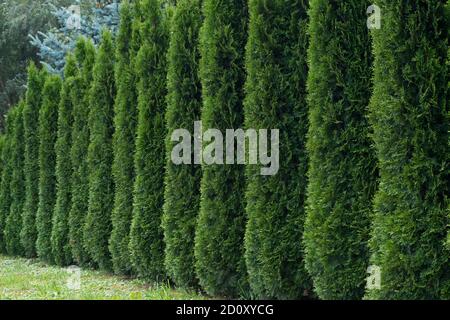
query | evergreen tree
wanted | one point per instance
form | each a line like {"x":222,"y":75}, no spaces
{"x":146,"y":235}
{"x":13,"y":223}
{"x":342,"y":170}
{"x":2,"y":167}
{"x":276,"y":98}
{"x":408,"y":113}
{"x":124,"y":142}
{"x":97,"y":228}
{"x":7,"y":168}
{"x":28,"y":234}
{"x":53,"y":46}
{"x":219,"y":248}
{"x":183,"y":108}
{"x":60,"y":229}
{"x":48,"y":126}
{"x":85,"y":56}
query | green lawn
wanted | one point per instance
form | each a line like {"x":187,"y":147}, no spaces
{"x":30,"y":279}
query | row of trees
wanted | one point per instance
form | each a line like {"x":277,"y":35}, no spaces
{"x":86,"y":175}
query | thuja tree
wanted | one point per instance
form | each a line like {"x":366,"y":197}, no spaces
{"x":183,"y":108}
{"x":28,"y":234}
{"x":13,"y":223}
{"x":219,"y":248}
{"x":48,"y":120}
{"x":448,"y":95}
{"x":85,"y":56}
{"x":97,"y":228}
{"x":146,"y":235}
{"x":342,"y":169}
{"x":63,"y":171}
{"x":124,"y":142}
{"x":7,"y":168}
{"x":276,"y":98}
{"x":408,"y":112}
{"x":2,"y":168}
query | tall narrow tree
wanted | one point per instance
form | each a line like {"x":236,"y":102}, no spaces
{"x":146,"y":235}
{"x":28,"y":234}
{"x":219,"y":248}
{"x":2,"y":169}
{"x":409,"y":112}
{"x":276,"y":99}
{"x":48,"y":126}
{"x":342,"y":171}
{"x":60,"y":227}
{"x":7,"y":168}
{"x":13,"y":223}
{"x":97,"y":228}
{"x":183,"y":108}
{"x":124,"y":141}
{"x":85,"y":56}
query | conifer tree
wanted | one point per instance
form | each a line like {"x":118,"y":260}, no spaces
{"x":2,"y":167}
{"x":146,"y":235}
{"x":409,"y":112}
{"x":48,"y":126}
{"x":85,"y":56}
{"x":342,"y":169}
{"x":183,"y":108}
{"x":124,"y":142}
{"x":7,"y":168}
{"x":13,"y":223}
{"x":97,"y":228}
{"x":219,"y":241}
{"x":28,"y":234}
{"x":276,"y":98}
{"x":60,"y":228}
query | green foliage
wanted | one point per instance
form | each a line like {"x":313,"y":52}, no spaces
{"x":97,"y":228}
{"x":408,"y":112}
{"x":28,"y":234}
{"x":146,"y":235}
{"x":182,"y":192}
{"x":7,"y":168}
{"x":276,"y":98}
{"x":17,"y":20}
{"x":17,"y":188}
{"x":342,"y":170}
{"x":219,"y":248}
{"x":2,"y":193}
{"x":60,"y":227}
{"x":124,"y":142}
{"x":48,"y":127}
{"x":85,"y":56}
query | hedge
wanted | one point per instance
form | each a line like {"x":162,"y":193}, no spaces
{"x":85,"y":56}
{"x":48,"y":120}
{"x":276,"y":99}
{"x":97,"y":228}
{"x":60,"y":225}
{"x":7,"y":166}
{"x":146,"y":235}
{"x":343,"y":169}
{"x":13,"y":223}
{"x":409,"y":112}
{"x":28,"y":234}
{"x":123,"y":143}
{"x":219,"y":248}
{"x":183,"y":108}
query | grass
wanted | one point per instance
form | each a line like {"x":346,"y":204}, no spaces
{"x":24,"y":279}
